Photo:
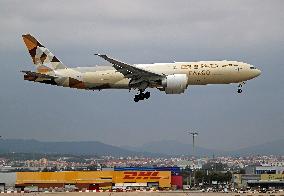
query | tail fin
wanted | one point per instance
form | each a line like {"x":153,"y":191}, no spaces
{"x":42,"y":57}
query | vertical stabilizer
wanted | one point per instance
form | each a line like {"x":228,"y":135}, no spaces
{"x":41,"y":56}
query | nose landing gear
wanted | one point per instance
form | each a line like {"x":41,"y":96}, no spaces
{"x":142,"y":96}
{"x":240,"y":90}
{"x":240,"y":87}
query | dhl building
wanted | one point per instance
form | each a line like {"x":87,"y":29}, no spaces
{"x":94,"y":179}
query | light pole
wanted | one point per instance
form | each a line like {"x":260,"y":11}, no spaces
{"x":194,"y":134}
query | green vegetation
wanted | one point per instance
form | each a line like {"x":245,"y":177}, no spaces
{"x":209,"y":173}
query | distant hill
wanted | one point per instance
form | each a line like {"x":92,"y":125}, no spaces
{"x":75,"y":148}
{"x":170,"y":147}
{"x":269,"y":148}
{"x":157,"y":148}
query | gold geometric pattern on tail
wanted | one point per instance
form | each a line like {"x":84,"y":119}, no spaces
{"x":41,"y":56}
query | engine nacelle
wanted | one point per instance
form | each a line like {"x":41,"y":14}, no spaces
{"x":175,"y":84}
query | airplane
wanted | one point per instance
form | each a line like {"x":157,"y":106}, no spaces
{"x":172,"y":78}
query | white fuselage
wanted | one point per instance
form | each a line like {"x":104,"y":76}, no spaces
{"x":198,"y":73}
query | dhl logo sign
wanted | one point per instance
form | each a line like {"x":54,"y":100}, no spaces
{"x":153,"y":175}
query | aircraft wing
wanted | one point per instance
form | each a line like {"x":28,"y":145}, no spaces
{"x":132,"y":72}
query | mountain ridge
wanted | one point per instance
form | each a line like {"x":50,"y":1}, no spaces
{"x":171,"y":147}
{"x":155,"y":148}
{"x":178,"y":148}
{"x":74,"y":147}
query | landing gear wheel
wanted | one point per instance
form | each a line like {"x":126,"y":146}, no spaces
{"x":142,"y":96}
{"x":136,"y":98}
{"x":139,"y":97}
{"x":240,"y":86}
{"x":147,"y":95}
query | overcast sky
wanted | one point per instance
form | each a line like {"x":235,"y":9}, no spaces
{"x":144,"y":31}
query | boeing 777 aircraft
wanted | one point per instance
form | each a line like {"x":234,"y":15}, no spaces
{"x":172,"y":78}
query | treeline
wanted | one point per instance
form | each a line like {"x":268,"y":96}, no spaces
{"x":210,"y":172}
{"x":209,"y":177}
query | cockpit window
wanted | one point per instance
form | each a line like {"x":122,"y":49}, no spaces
{"x":252,"y":67}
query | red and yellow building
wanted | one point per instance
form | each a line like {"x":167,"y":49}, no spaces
{"x":93,"y":179}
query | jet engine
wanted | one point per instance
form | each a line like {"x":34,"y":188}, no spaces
{"x":175,"y":83}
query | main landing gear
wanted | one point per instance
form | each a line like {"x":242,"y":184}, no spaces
{"x":240,"y":87}
{"x":141,"y":96}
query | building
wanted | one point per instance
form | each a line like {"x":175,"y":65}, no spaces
{"x":272,"y":177}
{"x":269,"y":170}
{"x":268,"y":181}
{"x":241,"y":180}
{"x":7,"y":180}
{"x":264,"y":169}
{"x":183,"y":163}
{"x":177,"y":182}
{"x":256,"y":181}
{"x":2,"y":187}
{"x":92,"y":180}
{"x":176,"y":178}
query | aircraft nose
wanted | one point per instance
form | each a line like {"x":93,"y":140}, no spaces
{"x":257,"y":72}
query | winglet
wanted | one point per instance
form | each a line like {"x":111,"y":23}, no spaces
{"x":105,"y":57}
{"x":101,"y":55}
